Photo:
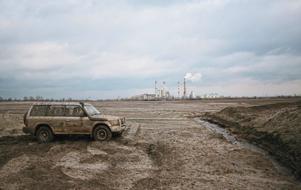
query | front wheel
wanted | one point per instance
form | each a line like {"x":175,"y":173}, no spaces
{"x":44,"y":135}
{"x":102,"y":133}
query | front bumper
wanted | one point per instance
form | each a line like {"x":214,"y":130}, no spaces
{"x":28,"y":130}
{"x":118,"y":128}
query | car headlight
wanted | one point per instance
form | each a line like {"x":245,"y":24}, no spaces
{"x":114,"y":122}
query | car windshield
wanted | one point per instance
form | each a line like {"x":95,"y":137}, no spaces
{"x":91,"y":110}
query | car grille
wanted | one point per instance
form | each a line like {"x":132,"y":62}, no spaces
{"x":122,"y":121}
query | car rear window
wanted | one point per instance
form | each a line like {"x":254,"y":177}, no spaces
{"x":38,"y":110}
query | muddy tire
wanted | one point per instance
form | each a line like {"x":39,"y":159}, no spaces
{"x":102,"y":133}
{"x":44,"y":135}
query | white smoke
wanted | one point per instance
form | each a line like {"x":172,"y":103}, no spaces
{"x":193,"y":76}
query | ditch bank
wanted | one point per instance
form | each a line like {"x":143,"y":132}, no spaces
{"x":275,"y":128}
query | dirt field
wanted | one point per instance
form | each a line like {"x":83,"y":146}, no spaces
{"x":274,"y":127}
{"x":165,"y":148}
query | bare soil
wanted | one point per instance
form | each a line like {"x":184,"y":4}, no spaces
{"x":274,"y":127}
{"x":164,"y":148}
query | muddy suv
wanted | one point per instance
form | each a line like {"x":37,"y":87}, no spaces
{"x":44,"y":120}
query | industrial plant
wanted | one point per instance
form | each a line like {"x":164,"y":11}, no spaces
{"x":161,"y":92}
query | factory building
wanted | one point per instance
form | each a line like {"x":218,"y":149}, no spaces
{"x":161,"y":91}
{"x":144,"y":97}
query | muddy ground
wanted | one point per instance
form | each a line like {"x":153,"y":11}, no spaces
{"x":164,"y":148}
{"x":274,"y":127}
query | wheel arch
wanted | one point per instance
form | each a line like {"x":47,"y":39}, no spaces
{"x":38,"y":126}
{"x":99,"y":124}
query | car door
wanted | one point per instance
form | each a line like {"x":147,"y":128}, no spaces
{"x":73,"y":121}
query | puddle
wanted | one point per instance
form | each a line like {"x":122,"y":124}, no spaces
{"x":243,"y":144}
{"x":219,"y":130}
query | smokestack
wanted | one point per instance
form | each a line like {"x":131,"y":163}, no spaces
{"x":163,"y":89}
{"x":156,"y":90}
{"x":178,"y":89}
{"x":184,"y":90}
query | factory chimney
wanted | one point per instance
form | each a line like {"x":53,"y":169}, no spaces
{"x":163,"y":90}
{"x":178,"y":89}
{"x":156,"y":90}
{"x":184,"y":88}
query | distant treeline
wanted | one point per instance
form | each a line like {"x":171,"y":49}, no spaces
{"x":40,"y":98}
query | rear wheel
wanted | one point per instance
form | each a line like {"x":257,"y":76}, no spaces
{"x":44,"y":135}
{"x":102,"y":133}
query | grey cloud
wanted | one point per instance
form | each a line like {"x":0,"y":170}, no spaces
{"x":87,"y":40}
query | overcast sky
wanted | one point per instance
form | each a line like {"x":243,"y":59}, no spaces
{"x":106,"y":49}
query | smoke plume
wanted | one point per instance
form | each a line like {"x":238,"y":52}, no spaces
{"x":193,"y":76}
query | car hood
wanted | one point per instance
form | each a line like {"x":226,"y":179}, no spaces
{"x":104,"y":117}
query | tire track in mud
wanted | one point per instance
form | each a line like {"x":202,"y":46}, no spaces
{"x":183,"y":163}
{"x":167,"y":148}
{"x":163,"y":156}
{"x":119,"y":163}
{"x":116,"y":164}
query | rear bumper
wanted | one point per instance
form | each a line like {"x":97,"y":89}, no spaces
{"x":28,"y":130}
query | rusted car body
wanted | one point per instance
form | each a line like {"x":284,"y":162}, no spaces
{"x":44,"y":120}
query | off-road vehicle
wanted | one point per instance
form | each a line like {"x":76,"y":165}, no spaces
{"x":44,"y":120}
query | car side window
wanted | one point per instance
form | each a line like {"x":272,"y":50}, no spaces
{"x":74,"y":111}
{"x":56,"y":110}
{"x":38,"y":110}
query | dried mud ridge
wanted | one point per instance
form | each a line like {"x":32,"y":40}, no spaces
{"x":77,"y":161}
{"x":122,"y":165}
{"x":275,"y":128}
